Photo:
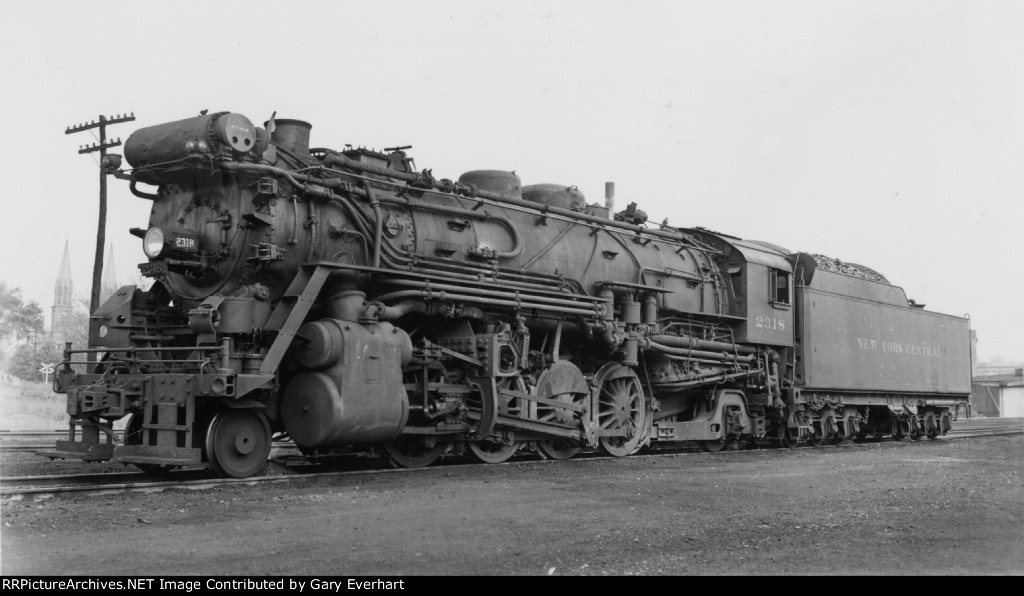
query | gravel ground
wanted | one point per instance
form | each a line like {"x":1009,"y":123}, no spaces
{"x":930,"y":507}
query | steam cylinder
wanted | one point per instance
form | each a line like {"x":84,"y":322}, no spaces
{"x":351,"y":390}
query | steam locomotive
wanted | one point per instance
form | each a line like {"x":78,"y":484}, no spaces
{"x":356,"y":304}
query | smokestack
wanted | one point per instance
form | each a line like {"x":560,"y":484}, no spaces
{"x":609,"y":197}
{"x":293,"y":135}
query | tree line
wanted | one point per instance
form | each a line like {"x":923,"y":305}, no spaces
{"x":25,"y":344}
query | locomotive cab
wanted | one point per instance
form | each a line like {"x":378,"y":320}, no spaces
{"x":759,"y":283}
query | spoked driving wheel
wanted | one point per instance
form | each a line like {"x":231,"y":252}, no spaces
{"x":421,"y":379}
{"x":491,"y":451}
{"x":558,"y":448}
{"x":238,"y":443}
{"x":561,"y":382}
{"x":413,"y":451}
{"x":620,"y":408}
{"x":500,"y":446}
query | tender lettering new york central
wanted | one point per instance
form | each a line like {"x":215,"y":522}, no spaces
{"x":896,"y":347}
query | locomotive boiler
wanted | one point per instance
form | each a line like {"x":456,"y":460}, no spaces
{"x":354,"y":303}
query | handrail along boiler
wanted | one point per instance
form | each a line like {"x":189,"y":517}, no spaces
{"x":354,"y":303}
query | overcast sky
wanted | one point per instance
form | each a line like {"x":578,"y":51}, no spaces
{"x":888,"y":133}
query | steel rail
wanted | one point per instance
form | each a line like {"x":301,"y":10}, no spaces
{"x":960,"y":426}
{"x":24,"y":487}
{"x":970,"y":424}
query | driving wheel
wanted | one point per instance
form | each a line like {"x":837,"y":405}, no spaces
{"x":498,"y":448}
{"x":558,"y":448}
{"x":620,"y":407}
{"x":412,"y":451}
{"x":561,"y":382}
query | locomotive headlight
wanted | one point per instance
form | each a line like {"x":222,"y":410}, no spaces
{"x":190,"y":146}
{"x":153,"y":243}
{"x":203,"y":146}
{"x":160,"y":242}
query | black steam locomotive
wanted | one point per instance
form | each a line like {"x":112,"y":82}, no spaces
{"x":357,"y":304}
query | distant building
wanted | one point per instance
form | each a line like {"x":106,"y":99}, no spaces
{"x":985,"y":369}
{"x":63,"y":294}
{"x":998,"y":395}
{"x":974,"y":353}
{"x":108,"y":285}
{"x":62,"y":311}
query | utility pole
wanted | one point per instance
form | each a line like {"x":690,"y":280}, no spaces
{"x":102,"y":146}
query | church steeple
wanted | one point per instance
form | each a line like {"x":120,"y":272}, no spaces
{"x":108,"y":285}
{"x":63,"y":291}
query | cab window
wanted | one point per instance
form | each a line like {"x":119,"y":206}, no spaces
{"x":779,"y":290}
{"x":736,"y":281}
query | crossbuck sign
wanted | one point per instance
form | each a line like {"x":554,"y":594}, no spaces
{"x":46,"y":370}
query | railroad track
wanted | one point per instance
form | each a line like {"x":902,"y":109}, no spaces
{"x":13,"y":438}
{"x":28,"y":440}
{"x":198,"y":479}
{"x":95,"y":484}
{"x":15,"y":441}
{"x":977,"y":427}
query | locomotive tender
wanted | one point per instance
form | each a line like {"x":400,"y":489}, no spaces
{"x":355,"y":303}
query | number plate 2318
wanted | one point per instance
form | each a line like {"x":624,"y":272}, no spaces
{"x":154,"y":269}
